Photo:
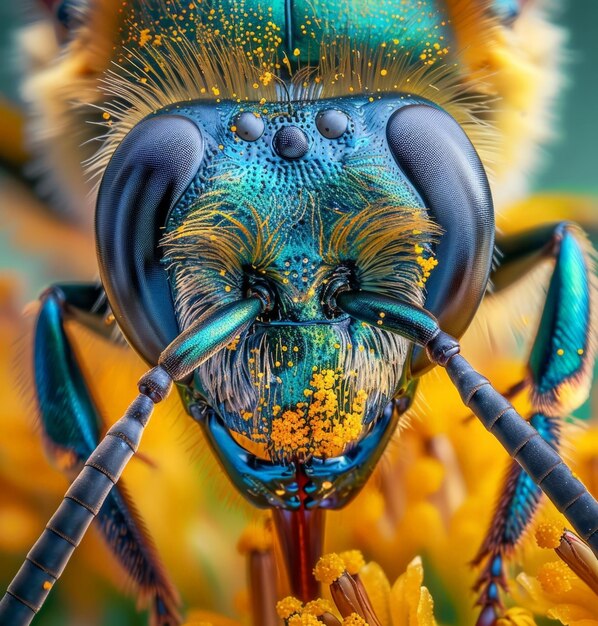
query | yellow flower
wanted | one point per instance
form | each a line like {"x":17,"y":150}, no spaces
{"x":364,"y":595}
{"x":565,"y":589}
{"x":410,"y":602}
{"x":516,"y":617}
{"x":557,"y":595}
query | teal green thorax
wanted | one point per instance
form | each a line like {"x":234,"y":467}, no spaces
{"x":302,"y":25}
{"x":285,"y":35}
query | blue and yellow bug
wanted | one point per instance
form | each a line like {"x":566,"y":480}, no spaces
{"x":292,"y":215}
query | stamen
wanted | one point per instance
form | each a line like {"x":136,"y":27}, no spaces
{"x":548,"y":535}
{"x":555,"y":577}
{"x":318,"y":607}
{"x":288,"y":606}
{"x":329,"y":569}
{"x":348,"y":592}
{"x":255,"y":538}
{"x":580,"y":558}
{"x":256,"y":544}
{"x":353,"y":560}
{"x":572,"y":551}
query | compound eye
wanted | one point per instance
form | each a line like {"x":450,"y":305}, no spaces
{"x":248,"y":126}
{"x":332,"y":123}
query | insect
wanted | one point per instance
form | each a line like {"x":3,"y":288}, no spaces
{"x":294,"y":225}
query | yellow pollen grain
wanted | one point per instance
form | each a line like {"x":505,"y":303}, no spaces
{"x":296,"y":52}
{"x":106,"y":115}
{"x":555,"y":577}
{"x":560,"y":352}
{"x":266,"y":78}
{"x":353,"y":560}
{"x":227,"y":288}
{"x":329,"y":568}
{"x":233,"y":129}
{"x":288,"y":606}
{"x":144,"y":37}
{"x":216,"y":91}
{"x":580,"y":351}
{"x":548,"y":535}
{"x":47,"y":585}
{"x":383,"y":72}
{"x":290,"y":432}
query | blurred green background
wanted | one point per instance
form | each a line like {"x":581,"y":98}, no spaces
{"x":569,"y":162}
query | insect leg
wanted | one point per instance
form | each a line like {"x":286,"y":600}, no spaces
{"x":521,"y":440}
{"x":47,"y":559}
{"x":71,"y":427}
{"x":558,"y":379}
{"x":514,"y":511}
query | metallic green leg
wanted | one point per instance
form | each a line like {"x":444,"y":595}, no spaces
{"x":48,"y":557}
{"x":523,"y":442}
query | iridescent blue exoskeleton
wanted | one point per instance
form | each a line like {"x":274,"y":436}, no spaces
{"x":294,"y":263}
